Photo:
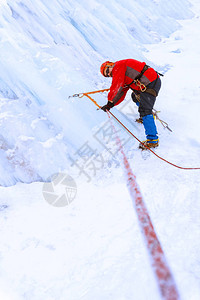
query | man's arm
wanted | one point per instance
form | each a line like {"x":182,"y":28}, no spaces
{"x":117,"y":91}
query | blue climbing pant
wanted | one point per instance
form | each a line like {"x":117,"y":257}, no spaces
{"x":150,"y":128}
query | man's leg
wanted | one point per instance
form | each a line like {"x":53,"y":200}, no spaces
{"x":145,"y":109}
{"x":136,"y":99}
{"x":147,"y":102}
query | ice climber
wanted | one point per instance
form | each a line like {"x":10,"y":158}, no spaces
{"x":144,"y":81}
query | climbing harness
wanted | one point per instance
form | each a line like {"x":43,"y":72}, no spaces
{"x":142,"y":86}
{"x":137,"y":82}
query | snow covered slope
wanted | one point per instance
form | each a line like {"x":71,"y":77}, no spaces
{"x":93,"y":248}
{"x":49,"y":52}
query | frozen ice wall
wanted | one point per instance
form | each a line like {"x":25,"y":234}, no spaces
{"x":50,"y":50}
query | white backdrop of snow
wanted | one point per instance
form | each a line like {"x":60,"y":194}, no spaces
{"x":93,"y":248}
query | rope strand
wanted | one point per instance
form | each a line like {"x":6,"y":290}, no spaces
{"x":165,"y":160}
{"x":183,"y":168}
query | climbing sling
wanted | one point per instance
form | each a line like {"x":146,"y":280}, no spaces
{"x":143,"y":87}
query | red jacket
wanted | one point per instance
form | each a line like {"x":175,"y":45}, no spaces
{"x":123,"y":73}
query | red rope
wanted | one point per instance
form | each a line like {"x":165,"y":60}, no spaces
{"x":148,"y":147}
{"x":159,"y":263}
{"x":86,"y":94}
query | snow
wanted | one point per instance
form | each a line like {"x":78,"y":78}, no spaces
{"x":93,"y":247}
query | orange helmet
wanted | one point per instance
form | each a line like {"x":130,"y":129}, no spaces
{"x":105,"y":65}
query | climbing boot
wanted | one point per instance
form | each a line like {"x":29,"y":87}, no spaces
{"x":149,"y":144}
